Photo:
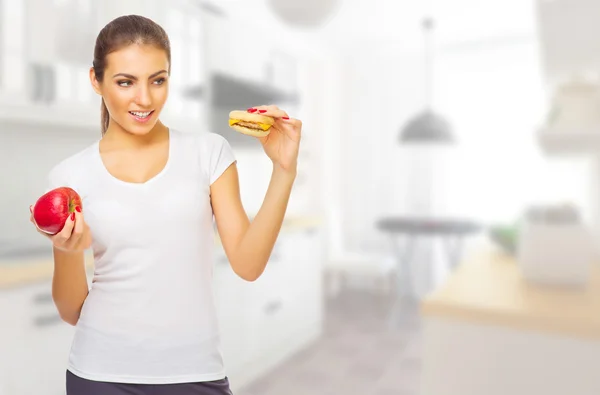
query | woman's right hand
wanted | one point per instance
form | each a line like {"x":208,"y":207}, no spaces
{"x":75,"y":235}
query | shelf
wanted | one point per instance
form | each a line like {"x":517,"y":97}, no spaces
{"x":19,"y":112}
{"x":80,"y":117}
{"x":571,"y":141}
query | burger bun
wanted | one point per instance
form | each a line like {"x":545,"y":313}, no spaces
{"x":242,"y":117}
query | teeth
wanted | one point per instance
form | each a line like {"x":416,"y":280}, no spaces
{"x":141,"y":114}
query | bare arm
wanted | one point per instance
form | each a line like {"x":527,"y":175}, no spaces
{"x":69,"y":284}
{"x":248,"y":245}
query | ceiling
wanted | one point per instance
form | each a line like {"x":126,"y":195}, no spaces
{"x":397,"y":22}
{"x":568,"y":30}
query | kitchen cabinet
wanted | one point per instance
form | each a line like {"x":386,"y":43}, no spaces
{"x":304,"y":251}
{"x":35,"y":342}
{"x":270,"y":308}
{"x":266,"y":321}
{"x":228,"y":51}
{"x":45,"y":59}
{"x":231,"y":295}
{"x":287,"y":295}
{"x":12,"y":46}
{"x":59,"y":50}
{"x":248,"y":51}
{"x":42,"y":26}
{"x":487,"y":330}
{"x":184,"y":23}
{"x":283,"y":70}
{"x":42,"y":79}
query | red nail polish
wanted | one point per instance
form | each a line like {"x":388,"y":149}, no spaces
{"x":78,"y":209}
{"x":262,"y":111}
{"x":252,"y":110}
{"x":73,"y":217}
{"x":285,"y":117}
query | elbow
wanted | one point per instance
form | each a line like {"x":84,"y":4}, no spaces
{"x":68,"y":313}
{"x":69,"y":317}
{"x":68,"y":306}
{"x":248,"y":273}
{"x":71,"y":321}
{"x":247,"y":276}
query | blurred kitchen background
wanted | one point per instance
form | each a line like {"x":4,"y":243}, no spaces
{"x":441,"y":235}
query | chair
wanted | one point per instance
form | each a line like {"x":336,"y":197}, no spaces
{"x":343,"y":265}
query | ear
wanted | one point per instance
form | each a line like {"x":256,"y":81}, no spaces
{"x":94,"y":81}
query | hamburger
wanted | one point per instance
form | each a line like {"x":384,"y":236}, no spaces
{"x":252,"y":124}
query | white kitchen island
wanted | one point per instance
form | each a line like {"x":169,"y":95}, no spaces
{"x":488,"y":332}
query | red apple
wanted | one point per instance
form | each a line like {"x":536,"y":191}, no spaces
{"x":53,"y":208}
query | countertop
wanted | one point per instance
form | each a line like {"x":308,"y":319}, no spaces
{"x":489,"y":289}
{"x":15,"y":272}
{"x":29,"y":270}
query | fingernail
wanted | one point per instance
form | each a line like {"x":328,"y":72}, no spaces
{"x":78,"y":209}
{"x":262,"y":111}
{"x":285,"y":117}
{"x":252,"y":110}
{"x":73,"y":217}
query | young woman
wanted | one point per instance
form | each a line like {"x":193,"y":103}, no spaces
{"x":149,"y":193}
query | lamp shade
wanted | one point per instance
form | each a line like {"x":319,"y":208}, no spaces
{"x":304,"y":13}
{"x":426,"y":128}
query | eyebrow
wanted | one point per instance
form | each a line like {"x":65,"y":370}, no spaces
{"x":135,"y":78}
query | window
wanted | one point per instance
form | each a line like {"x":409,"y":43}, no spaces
{"x":494,"y":97}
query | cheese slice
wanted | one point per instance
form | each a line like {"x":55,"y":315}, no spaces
{"x":263,"y":126}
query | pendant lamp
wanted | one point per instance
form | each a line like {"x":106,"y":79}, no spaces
{"x":427,"y":127}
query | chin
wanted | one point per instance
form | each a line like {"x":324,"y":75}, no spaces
{"x":140,"y":127}
{"x":140,"y":130}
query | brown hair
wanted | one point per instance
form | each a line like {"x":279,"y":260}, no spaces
{"x":120,"y":33}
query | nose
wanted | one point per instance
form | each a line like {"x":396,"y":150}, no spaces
{"x":143,"y":97}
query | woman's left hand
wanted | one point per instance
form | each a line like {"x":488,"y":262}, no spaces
{"x":283,"y":143}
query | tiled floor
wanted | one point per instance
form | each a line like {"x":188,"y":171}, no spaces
{"x":358,"y":354}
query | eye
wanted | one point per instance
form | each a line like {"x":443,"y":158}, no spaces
{"x":160,"y":81}
{"x":124,"y":83}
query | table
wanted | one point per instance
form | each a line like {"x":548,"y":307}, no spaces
{"x":452,"y":231}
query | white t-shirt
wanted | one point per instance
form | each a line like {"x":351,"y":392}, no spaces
{"x":150,"y":315}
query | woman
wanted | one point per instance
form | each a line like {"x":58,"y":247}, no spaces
{"x":149,"y":193}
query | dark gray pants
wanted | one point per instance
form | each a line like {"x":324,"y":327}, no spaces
{"x":79,"y":386}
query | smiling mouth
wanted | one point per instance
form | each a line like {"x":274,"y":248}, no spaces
{"x":141,"y":114}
